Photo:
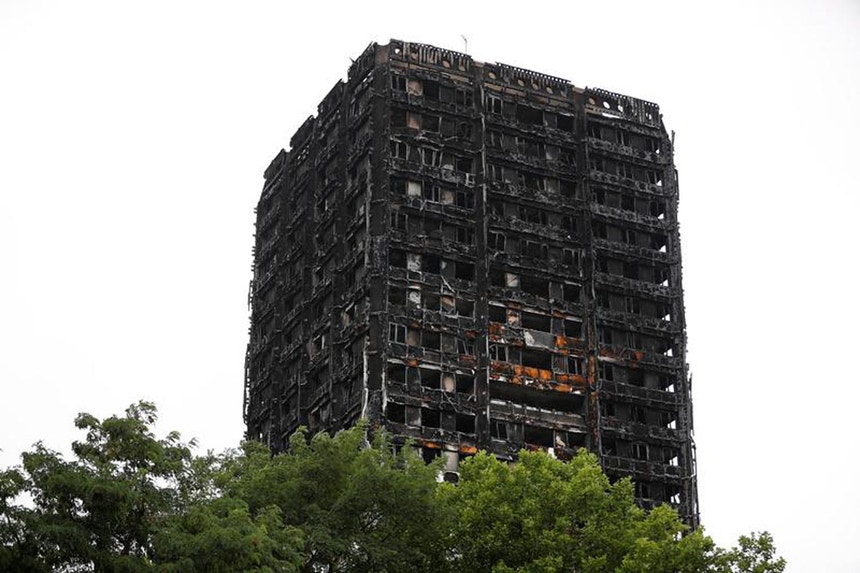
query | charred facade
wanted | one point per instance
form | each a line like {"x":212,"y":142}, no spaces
{"x":476,"y":256}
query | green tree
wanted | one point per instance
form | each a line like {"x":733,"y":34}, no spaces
{"x":361,"y":506}
{"x":541,"y":515}
{"x":126,"y":501}
{"x":220,"y":536}
{"x":754,"y":553}
{"x":98,"y":510}
{"x":17,"y":546}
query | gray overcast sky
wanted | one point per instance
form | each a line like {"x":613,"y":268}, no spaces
{"x":134,"y":135}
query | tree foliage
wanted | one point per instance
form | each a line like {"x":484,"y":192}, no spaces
{"x":755,"y":553}
{"x":128,"y":501}
{"x":544,"y":515}
{"x":112,"y":507}
{"x":98,"y":510}
{"x":359,"y":506}
{"x":221,"y":535}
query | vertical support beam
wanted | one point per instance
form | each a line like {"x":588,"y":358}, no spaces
{"x":482,"y":268}
{"x":589,"y":292}
{"x":378,"y":250}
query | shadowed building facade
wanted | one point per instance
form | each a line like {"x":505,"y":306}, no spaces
{"x":476,"y":256}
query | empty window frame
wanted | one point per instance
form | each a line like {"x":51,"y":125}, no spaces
{"x":668,"y":419}
{"x":666,"y":382}
{"x":534,"y":250}
{"x":533,"y":321}
{"x":571,"y":257}
{"x":497,"y":277}
{"x":499,"y":429}
{"x":534,"y":286}
{"x":605,"y":371}
{"x":430,"y":378}
{"x":413,"y":120}
{"x":529,"y":115}
{"x":465,"y":307}
{"x":624,"y":170}
{"x":464,"y":235}
{"x":397,"y":333}
{"x":496,"y":241}
{"x":533,"y":215}
{"x":431,"y":226}
{"x":431,"y":157}
{"x":607,"y":408}
{"x":396,"y":373}
{"x":572,"y":293}
{"x":464,"y":271}
{"x":531,"y":181}
{"x":431,"y":418}
{"x":536,"y":359}
{"x":567,"y":156}
{"x":564,"y":122}
{"x":568,"y":188}
{"x":493,"y":104}
{"x":464,"y":130}
{"x":496,"y":207}
{"x":639,"y":450}
{"x":599,"y":164}
{"x":398,"y":83}
{"x":465,"y":423}
{"x":463,"y":164}
{"x":642,"y":490}
{"x":466,"y":346}
{"x":630,"y":270}
{"x":499,"y":352}
{"x":604,"y":335}
{"x":497,"y":314}
{"x":465,"y":383}
{"x":465,"y":199}
{"x":430,"y":300}
{"x":531,"y":147}
{"x":431,"y":263}
{"x":573,"y":328}
{"x":633,"y":304}
{"x":430,"y":454}
{"x":463,"y":98}
{"x":399,"y":220}
{"x":430,"y":123}
{"x":537,"y":436}
{"x":431,"y":90}
{"x":395,"y":413}
{"x":430,"y":339}
{"x":398,"y":149}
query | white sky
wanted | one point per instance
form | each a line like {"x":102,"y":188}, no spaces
{"x":134,"y":135}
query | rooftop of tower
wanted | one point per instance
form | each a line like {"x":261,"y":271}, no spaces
{"x":532,"y":84}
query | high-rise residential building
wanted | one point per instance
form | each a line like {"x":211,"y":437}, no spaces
{"x":476,"y":256}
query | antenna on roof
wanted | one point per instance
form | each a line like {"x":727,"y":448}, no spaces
{"x":465,"y":44}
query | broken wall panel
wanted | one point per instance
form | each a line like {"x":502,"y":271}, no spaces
{"x":476,"y":256}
